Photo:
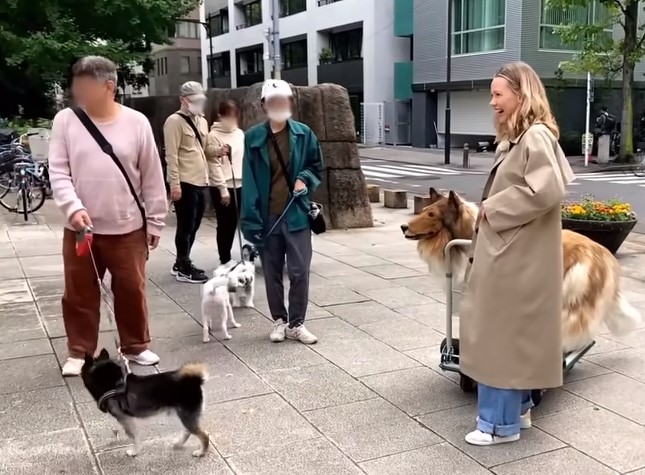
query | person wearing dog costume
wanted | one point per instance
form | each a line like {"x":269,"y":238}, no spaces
{"x":282,"y":166}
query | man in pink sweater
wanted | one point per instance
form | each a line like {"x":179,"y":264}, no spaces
{"x":91,"y":191}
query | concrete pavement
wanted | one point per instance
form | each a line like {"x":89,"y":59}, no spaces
{"x":368,"y":398}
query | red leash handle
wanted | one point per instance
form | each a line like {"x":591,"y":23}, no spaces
{"x":84,"y":242}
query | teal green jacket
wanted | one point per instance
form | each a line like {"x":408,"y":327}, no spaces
{"x":305,"y":163}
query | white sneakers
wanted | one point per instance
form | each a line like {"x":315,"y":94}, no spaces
{"x":478,"y":437}
{"x":73,"y":366}
{"x":145,"y":358}
{"x":301,"y":334}
{"x":281,"y":331}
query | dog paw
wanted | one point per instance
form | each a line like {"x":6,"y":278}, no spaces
{"x":236,"y":325}
{"x":227,"y":337}
{"x":206,"y":339}
{"x":131,"y":452}
{"x":199,"y":453}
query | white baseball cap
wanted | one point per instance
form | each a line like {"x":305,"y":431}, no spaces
{"x":192,"y":89}
{"x":275,"y":88}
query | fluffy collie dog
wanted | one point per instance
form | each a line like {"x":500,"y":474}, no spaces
{"x":591,"y":282}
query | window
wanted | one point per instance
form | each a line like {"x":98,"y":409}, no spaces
{"x":199,"y":65}
{"x":219,"y":23}
{"x":478,"y":26}
{"x":346,"y":45}
{"x":253,"y":13}
{"x":322,"y":3}
{"x":291,"y":7}
{"x":158,"y":67}
{"x":551,"y":18}
{"x":184,"y":29}
{"x":184,"y":65}
{"x":251,"y":62}
{"x":221,"y":66}
{"x":294,"y":54}
{"x":165,"y":65}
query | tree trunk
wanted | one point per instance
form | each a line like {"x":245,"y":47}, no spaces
{"x":627,"y":116}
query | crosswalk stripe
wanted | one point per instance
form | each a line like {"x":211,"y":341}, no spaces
{"x":368,"y":172}
{"x":426,"y":168}
{"x":396,"y":171}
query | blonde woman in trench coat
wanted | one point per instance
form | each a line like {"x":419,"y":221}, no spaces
{"x":510,"y":336}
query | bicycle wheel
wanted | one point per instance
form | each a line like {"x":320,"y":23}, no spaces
{"x":37,"y":201}
{"x":8,"y":184}
{"x":25,"y":205}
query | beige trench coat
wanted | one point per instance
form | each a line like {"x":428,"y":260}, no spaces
{"x":510,"y":322}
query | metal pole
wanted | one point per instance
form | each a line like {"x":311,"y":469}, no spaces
{"x":275,"y":14}
{"x":211,"y":73}
{"x":446,"y":151}
{"x":587,"y":119}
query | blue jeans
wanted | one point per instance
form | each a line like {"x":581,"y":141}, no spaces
{"x":499,"y":410}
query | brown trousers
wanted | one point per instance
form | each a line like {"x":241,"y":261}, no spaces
{"x":125,"y":257}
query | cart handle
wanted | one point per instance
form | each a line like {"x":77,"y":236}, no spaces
{"x":448,"y":261}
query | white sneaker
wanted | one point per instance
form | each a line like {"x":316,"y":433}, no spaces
{"x":73,"y":366}
{"x":145,"y":358}
{"x":525,"y":420}
{"x":478,"y":437}
{"x":278,"y":333}
{"x":302,"y":334}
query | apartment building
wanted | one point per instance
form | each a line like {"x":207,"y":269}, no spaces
{"x":180,"y":61}
{"x":486,"y":35}
{"x":346,"y":42}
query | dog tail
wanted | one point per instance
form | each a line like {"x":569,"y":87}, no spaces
{"x":194,"y":370}
{"x":625,"y":319}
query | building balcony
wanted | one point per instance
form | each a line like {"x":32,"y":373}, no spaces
{"x":348,"y":74}
{"x":249,"y":79}
{"x":296,"y":76}
{"x":404,"y":18}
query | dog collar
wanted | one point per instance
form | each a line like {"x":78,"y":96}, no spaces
{"x":112,"y":393}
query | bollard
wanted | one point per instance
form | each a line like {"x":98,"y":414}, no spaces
{"x":397,"y":199}
{"x":374,"y":193}
{"x":420,"y":202}
{"x":466,"y":160}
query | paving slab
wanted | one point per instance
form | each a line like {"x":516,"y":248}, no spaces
{"x":369,"y":397}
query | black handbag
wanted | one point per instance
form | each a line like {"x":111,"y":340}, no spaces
{"x":317,"y":221}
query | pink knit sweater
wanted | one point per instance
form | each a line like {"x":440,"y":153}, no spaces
{"x":83,"y":177}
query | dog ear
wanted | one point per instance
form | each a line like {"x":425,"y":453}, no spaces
{"x":453,"y":201}
{"x":434,"y":195}
{"x":103,"y":355}
{"x":89,"y":360}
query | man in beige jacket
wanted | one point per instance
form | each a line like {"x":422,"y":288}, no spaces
{"x":185,"y":133}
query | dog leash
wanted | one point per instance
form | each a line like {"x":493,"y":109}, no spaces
{"x":84,"y":241}
{"x":237,"y":205}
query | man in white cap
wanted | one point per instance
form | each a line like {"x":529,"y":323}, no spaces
{"x":282,"y":166}
{"x":185,"y":133}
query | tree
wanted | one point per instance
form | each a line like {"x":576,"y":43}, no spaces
{"x":41,"y":39}
{"x":604,"y":53}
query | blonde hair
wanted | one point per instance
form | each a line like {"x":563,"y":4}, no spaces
{"x":533,"y":107}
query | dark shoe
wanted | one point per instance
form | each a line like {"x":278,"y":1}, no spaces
{"x":191,"y":275}
{"x":175,"y":268}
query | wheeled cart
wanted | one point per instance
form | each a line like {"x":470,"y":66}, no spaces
{"x":450,"y":346}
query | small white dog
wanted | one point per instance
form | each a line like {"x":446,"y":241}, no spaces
{"x":216,"y":304}
{"x":242,"y":291}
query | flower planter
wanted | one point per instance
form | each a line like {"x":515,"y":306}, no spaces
{"x":609,"y":234}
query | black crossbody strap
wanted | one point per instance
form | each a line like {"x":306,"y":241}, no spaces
{"x":192,"y":125}
{"x":108,"y":150}
{"x":283,"y":165}
{"x":278,"y":154}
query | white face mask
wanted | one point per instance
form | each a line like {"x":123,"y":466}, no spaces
{"x":279,"y":116}
{"x":195,"y":108}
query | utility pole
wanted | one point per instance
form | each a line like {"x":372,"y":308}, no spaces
{"x":275,"y":32}
{"x":446,"y":151}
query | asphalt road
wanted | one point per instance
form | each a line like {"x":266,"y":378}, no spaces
{"x":418,"y":179}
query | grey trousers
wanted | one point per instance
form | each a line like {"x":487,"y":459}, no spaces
{"x":296,"y":246}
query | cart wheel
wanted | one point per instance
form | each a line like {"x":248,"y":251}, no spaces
{"x":536,"y":397}
{"x":466,"y":384}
